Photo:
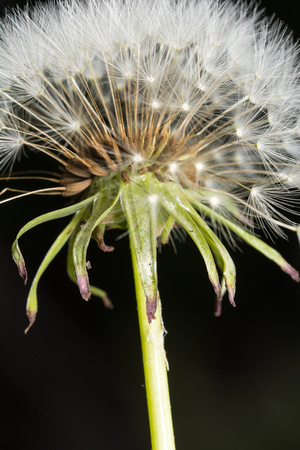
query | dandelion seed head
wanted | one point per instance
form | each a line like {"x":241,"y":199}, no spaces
{"x":201,"y":96}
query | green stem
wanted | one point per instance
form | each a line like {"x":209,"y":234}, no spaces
{"x":154,"y":360}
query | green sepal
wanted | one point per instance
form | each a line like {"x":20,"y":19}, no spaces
{"x":57,"y":214}
{"x":252,"y":240}
{"x":175,"y":204}
{"x":32,"y":303}
{"x":71,"y":272}
{"x":165,"y":234}
{"x":102,"y":206}
{"x":140,"y":212}
{"x":98,"y":236}
{"x":220,"y":252}
{"x":228,"y":281}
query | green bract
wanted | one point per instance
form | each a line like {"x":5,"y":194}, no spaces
{"x":149,"y":209}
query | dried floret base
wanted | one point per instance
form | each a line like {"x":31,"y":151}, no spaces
{"x":155,"y":370}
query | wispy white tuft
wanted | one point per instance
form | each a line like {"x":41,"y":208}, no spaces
{"x":12,"y":140}
{"x":207,"y":91}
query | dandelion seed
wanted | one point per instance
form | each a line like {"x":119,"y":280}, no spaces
{"x":137,"y":158}
{"x":155,"y":104}
{"x":214,"y":201}
{"x":173,"y":167}
{"x":199,"y":166}
{"x":153,"y":198}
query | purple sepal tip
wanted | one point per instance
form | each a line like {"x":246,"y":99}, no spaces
{"x":231,"y":294}
{"x":218,"y":308}
{"x":31,"y":316}
{"x":84,"y":286}
{"x":22,"y":271}
{"x":291,"y":271}
{"x":151,"y":306}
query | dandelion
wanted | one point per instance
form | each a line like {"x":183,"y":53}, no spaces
{"x":159,"y":114}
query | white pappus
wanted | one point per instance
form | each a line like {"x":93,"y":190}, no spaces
{"x":202,"y":95}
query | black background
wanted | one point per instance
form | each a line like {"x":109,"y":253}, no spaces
{"x":76,"y":380}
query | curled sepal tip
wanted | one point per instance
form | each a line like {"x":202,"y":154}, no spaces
{"x":64,"y":212}
{"x":98,"y":235}
{"x":83,"y":285}
{"x":71,"y":272}
{"x":62,"y":238}
{"x":31,"y":317}
{"x":218,"y":308}
{"x":218,"y":304}
{"x":287,"y":268}
{"x":20,"y":262}
{"x":106,"y":301}
{"x":231,"y":294}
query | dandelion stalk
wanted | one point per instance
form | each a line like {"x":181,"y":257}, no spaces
{"x":155,"y":370}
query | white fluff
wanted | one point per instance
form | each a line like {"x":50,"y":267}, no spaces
{"x":220,"y":78}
